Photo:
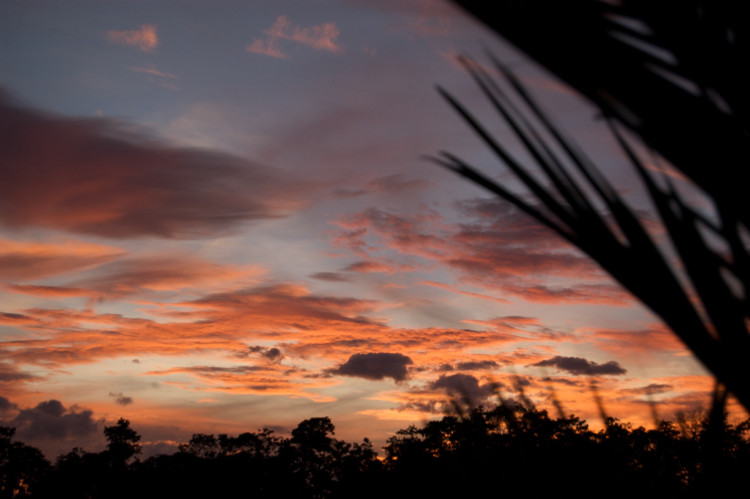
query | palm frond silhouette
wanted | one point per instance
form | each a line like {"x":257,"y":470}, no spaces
{"x":669,"y":73}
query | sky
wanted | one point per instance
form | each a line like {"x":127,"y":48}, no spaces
{"x":218,"y":216}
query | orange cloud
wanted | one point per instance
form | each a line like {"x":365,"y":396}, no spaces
{"x":319,"y":37}
{"x":29,"y":260}
{"x":655,"y":339}
{"x":144,"y":38}
{"x":251,"y":379}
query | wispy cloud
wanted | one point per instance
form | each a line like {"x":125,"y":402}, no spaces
{"x":156,"y":77}
{"x":152,"y":71}
{"x":144,"y":38}
{"x":266,"y":46}
{"x":319,"y":37}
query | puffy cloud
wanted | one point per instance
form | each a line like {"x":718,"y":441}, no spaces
{"x":144,"y":38}
{"x":51,"y":419}
{"x":375,"y":366}
{"x":271,"y":354}
{"x":121,"y":399}
{"x":319,"y":37}
{"x":95,"y":176}
{"x":580,"y":366}
{"x":464,"y":386}
{"x":6,"y":405}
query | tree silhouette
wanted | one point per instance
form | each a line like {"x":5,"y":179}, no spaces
{"x":122,"y":442}
{"x":22,"y":467}
{"x":670,"y":73}
{"x":512,"y":447}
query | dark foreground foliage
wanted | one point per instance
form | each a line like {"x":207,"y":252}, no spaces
{"x":512,"y":448}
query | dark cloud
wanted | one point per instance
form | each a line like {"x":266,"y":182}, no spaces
{"x":464,"y":386}
{"x":6,"y":405}
{"x":52,"y":420}
{"x":121,"y":399}
{"x":96,"y":176}
{"x":330,"y":277}
{"x":578,"y":366}
{"x":271,"y":354}
{"x":562,"y":381}
{"x":652,"y":389}
{"x":375,"y":366}
{"x":10,"y":373}
{"x":476,"y":365}
{"x":429,"y":406}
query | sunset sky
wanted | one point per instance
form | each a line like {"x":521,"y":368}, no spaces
{"x":217,"y":217}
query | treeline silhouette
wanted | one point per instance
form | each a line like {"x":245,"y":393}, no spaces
{"x":510,"y":448}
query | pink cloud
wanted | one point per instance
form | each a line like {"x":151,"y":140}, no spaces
{"x":96,"y":176}
{"x":157,"y":77}
{"x":144,"y":38}
{"x":370,"y":266}
{"x":499,"y":249}
{"x":266,"y":46}
{"x":152,"y":71}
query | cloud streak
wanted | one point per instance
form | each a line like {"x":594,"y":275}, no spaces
{"x":97,"y":177}
{"x":28,"y":260}
{"x":579,"y":366}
